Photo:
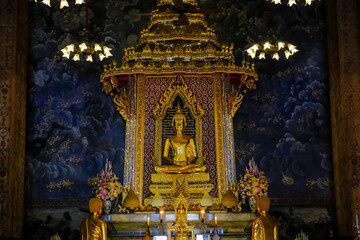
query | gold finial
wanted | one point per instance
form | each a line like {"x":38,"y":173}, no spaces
{"x":178,"y":109}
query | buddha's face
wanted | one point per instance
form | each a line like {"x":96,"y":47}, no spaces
{"x":179,"y":124}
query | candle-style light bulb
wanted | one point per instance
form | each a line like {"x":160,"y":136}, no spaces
{"x":46,"y":2}
{"x":262,"y":55}
{"x":292,"y":2}
{"x":89,"y":58}
{"x":267,"y":45}
{"x":97,"y":47}
{"x":101,"y":56}
{"x":76,"y":57}
{"x":82,"y":46}
{"x":63,"y":3}
{"x":148,"y":221}
{"x":215,"y":220}
{"x":275,"y":56}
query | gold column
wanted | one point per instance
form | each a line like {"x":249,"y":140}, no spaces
{"x":130,"y":136}
{"x":13,"y":69}
{"x":344,"y":72}
{"x":219,"y":135}
{"x":140,"y":82}
{"x":229,"y":151}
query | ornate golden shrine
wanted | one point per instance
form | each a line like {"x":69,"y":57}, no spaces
{"x":178,"y":60}
{"x":177,"y":87}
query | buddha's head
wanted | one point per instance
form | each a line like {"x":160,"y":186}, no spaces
{"x":263,"y":203}
{"x":95,"y":205}
{"x":178,"y":122}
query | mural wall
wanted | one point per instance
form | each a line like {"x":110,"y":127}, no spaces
{"x":73,"y":128}
{"x":285,"y":124}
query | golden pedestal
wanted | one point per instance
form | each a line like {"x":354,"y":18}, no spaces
{"x":193,"y":185}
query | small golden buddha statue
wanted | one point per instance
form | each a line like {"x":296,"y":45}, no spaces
{"x":93,"y":228}
{"x":182,"y":148}
{"x":181,"y":223}
{"x":264,"y":226}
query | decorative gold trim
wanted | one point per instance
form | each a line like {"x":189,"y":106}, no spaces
{"x":193,"y":184}
{"x":170,"y":201}
{"x":193,"y":188}
{"x":163,"y":2}
{"x":177,"y":87}
{"x":140,"y":82}
{"x":122,"y":103}
{"x":193,"y":177}
{"x":235,"y":98}
{"x":219,"y":136}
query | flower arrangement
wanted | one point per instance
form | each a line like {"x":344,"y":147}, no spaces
{"x":107,"y":186}
{"x":254,"y":183}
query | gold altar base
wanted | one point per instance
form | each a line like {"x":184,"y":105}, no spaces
{"x":194,"y":184}
{"x":132,"y":226}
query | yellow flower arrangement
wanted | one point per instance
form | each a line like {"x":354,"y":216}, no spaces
{"x":253,"y":183}
{"x":106,"y":184}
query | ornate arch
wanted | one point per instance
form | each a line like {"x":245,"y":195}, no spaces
{"x":177,"y":87}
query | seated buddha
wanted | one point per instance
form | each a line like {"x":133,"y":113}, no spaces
{"x":264,"y":226}
{"x":182,"y":148}
{"x":93,"y":228}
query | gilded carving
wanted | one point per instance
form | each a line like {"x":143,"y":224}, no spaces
{"x":219,"y":136}
{"x":235,"y":98}
{"x":140,"y":126}
{"x":196,"y":48}
{"x":122,"y":103}
{"x":177,"y":87}
{"x":170,"y":185}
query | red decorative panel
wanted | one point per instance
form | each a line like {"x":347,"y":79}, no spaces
{"x":155,"y":87}
{"x":202,"y":87}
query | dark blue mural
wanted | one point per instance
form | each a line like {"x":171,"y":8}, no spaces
{"x":285,"y":124}
{"x":73,"y":127}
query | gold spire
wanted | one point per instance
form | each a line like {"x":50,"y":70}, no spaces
{"x":169,"y":45}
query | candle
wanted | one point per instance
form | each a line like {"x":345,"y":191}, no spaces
{"x":202,"y":212}
{"x":161,"y":214}
{"x":148,"y":221}
{"x":215,"y":220}
{"x":357,"y":221}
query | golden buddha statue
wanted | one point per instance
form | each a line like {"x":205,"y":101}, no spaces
{"x":264,"y":226}
{"x":182,"y":148}
{"x":181,"y":223}
{"x":93,"y":228}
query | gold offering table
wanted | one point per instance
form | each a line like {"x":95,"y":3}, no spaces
{"x":132,"y":226}
{"x":167,"y":184}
